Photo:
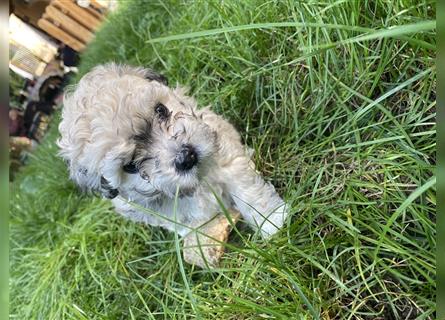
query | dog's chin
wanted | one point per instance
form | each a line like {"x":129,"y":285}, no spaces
{"x":186,"y":192}
{"x":185,"y":186}
{"x":183,"y":192}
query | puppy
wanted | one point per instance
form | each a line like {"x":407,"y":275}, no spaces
{"x":161,"y":160}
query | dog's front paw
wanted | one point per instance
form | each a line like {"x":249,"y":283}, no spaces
{"x":274,"y":221}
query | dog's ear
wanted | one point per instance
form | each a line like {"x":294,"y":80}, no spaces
{"x":154,"y":76}
{"x":106,"y":190}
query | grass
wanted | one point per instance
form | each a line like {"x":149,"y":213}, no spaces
{"x":338,"y":101}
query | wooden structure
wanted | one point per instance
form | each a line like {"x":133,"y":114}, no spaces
{"x":29,"y":50}
{"x":70,"y":23}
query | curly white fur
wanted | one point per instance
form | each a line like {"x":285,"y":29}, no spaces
{"x":109,"y":121}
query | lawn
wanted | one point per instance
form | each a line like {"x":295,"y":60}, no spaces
{"x":338,"y":100}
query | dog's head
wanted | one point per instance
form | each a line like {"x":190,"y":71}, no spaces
{"x":125,"y":126}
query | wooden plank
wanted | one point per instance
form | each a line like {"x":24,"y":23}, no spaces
{"x":69,"y":25}
{"x":94,"y":13}
{"x":60,"y":34}
{"x":77,"y":13}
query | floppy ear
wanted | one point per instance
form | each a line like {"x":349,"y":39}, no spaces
{"x":154,"y":76}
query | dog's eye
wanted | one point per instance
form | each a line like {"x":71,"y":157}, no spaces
{"x":162,"y":111}
{"x":131,"y":168}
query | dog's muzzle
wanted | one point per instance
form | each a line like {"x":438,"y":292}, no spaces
{"x":186,"y":158}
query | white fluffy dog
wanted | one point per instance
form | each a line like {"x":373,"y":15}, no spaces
{"x":125,"y":132}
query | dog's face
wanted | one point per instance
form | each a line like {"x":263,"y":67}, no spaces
{"x":173,"y":147}
{"x":129,"y":128}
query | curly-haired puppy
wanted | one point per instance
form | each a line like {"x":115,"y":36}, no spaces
{"x":125,"y":132}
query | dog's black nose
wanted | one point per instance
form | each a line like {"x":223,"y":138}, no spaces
{"x":186,"y":158}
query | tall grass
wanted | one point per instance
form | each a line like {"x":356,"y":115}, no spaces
{"x":338,"y":101}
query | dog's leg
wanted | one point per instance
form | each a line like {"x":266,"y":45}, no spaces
{"x":257,"y":200}
{"x":259,"y":203}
